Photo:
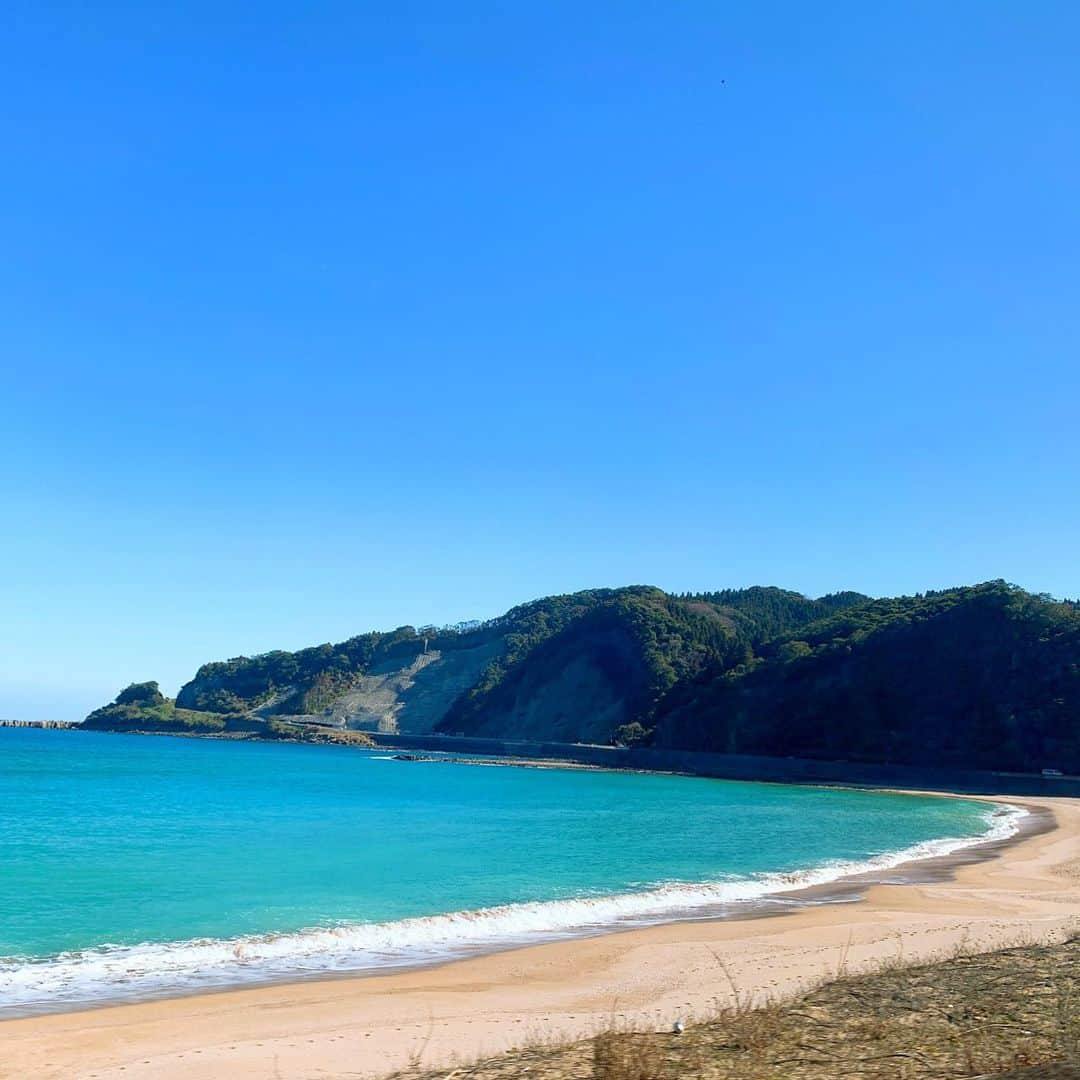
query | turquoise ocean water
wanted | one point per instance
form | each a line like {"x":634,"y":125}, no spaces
{"x":134,"y":866}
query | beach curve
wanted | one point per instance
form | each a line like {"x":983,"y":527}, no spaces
{"x":370,"y":1025}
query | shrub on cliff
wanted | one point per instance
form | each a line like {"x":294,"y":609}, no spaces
{"x":143,"y":693}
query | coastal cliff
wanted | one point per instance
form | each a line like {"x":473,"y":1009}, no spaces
{"x":985,"y":676}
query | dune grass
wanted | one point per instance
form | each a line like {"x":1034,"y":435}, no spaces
{"x":961,"y":1016}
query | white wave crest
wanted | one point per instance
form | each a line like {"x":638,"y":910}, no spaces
{"x":133,"y":972}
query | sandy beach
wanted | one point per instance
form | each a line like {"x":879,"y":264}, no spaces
{"x":1028,"y":889}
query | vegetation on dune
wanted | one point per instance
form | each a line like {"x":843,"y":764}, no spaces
{"x":963,"y":1016}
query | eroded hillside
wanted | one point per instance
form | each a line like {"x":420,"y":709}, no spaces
{"x":984,"y":676}
{"x":575,"y":667}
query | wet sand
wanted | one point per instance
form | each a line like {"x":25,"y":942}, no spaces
{"x":1027,"y":888}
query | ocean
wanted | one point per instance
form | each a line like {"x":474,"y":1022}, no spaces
{"x":134,"y":867}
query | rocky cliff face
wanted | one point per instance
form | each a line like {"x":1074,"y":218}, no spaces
{"x":572,"y":668}
{"x":578,"y":687}
{"x":984,"y":676}
{"x":412,"y":696}
{"x":568,"y":667}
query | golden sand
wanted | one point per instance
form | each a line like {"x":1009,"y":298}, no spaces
{"x":365,"y":1027}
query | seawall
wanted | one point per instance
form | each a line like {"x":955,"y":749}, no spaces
{"x":748,"y":766}
{"x":50,"y":724}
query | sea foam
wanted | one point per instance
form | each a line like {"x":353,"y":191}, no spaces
{"x":112,"y":973}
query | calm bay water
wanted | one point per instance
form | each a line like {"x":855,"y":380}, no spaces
{"x":132,"y":866}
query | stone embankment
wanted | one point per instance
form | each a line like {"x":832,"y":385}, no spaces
{"x":39,"y":723}
{"x":745,"y":766}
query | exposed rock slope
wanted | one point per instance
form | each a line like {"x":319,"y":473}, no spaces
{"x":983,"y":676}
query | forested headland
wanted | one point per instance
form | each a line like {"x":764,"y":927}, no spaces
{"x":984,"y":676}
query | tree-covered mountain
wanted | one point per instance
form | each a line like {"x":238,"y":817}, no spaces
{"x":582,"y":666}
{"x":574,"y":667}
{"x":982,"y":676}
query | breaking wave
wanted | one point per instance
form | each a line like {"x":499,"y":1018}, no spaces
{"x":112,"y":973}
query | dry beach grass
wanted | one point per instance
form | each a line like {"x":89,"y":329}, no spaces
{"x":961,"y":1016}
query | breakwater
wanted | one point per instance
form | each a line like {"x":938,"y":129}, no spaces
{"x":39,"y":723}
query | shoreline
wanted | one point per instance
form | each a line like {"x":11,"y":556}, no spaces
{"x":150,"y":972}
{"x":812,"y":772}
{"x":370,"y":1024}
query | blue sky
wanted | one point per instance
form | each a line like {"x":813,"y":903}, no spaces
{"x":329,"y":317}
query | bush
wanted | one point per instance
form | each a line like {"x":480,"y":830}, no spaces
{"x":143,"y":693}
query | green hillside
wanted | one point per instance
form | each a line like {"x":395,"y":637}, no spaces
{"x":576,"y":667}
{"x":143,"y":707}
{"x":636,"y":642}
{"x":982,"y":677}
{"x":614,"y":653}
{"x":986,"y":676}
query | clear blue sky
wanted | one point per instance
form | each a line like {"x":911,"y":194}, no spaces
{"x":319,"y":318}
